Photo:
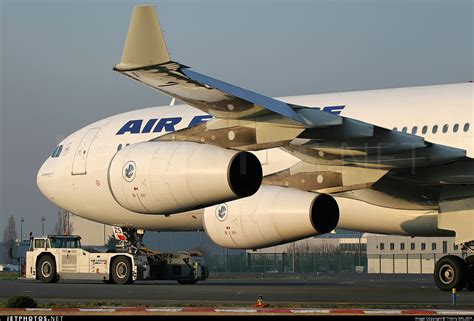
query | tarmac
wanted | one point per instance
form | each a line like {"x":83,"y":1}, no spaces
{"x":336,"y":291}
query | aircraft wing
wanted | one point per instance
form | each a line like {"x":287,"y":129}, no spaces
{"x":247,"y":120}
{"x":145,"y":59}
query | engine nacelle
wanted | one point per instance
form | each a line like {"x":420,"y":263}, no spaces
{"x":363,"y":216}
{"x":274,"y":215}
{"x":167,"y":177}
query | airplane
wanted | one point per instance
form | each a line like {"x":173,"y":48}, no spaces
{"x":254,"y":171}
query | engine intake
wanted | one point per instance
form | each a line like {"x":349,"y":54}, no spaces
{"x":274,"y":215}
{"x":168,"y":177}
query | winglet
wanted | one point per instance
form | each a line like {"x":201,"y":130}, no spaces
{"x":145,"y":44}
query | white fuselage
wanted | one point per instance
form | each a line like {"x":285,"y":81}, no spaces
{"x":77,"y":181}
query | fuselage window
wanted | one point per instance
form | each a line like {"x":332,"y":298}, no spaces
{"x":414,"y":130}
{"x":424,"y":130}
{"x":445,"y":128}
{"x":455,"y":128}
{"x":466,"y":127}
{"x":435,"y":129}
{"x":395,"y":129}
{"x":57,"y":151}
{"x":404,"y":130}
{"x":119,"y":147}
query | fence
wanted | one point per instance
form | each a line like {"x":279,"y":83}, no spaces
{"x":287,"y":263}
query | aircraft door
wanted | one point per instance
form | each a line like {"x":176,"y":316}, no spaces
{"x":79,"y":165}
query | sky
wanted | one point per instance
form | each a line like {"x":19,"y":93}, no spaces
{"x":56,"y":60}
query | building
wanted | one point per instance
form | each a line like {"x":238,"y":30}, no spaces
{"x":404,"y":254}
{"x":10,"y":254}
{"x":378,"y":253}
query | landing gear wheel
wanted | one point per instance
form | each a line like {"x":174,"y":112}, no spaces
{"x":121,"y":271}
{"x":450,"y":272}
{"x":470,"y":272}
{"x":182,"y":282}
{"x":46,"y":269}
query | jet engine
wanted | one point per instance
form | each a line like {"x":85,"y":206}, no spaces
{"x":274,"y":215}
{"x":167,"y":177}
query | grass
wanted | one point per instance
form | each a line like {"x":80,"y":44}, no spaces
{"x":9,"y":275}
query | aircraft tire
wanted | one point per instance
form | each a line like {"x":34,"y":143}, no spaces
{"x":450,"y":272}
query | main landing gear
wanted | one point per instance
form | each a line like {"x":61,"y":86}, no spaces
{"x":452,"y":271}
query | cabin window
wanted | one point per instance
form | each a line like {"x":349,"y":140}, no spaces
{"x":455,"y":128}
{"x":119,"y":147}
{"x":414,"y":130}
{"x":435,"y":129}
{"x":466,"y":127}
{"x":57,"y":151}
{"x":404,"y":130}
{"x":40,"y":244}
{"x":424,"y":130}
{"x":445,"y":128}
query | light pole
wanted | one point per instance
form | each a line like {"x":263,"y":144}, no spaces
{"x":42,"y":224}
{"x":21,"y":241}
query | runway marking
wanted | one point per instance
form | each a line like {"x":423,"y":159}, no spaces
{"x":322,"y":311}
{"x":452,"y":312}
{"x":236,"y":310}
{"x":346,"y":311}
{"x":96,"y":310}
{"x":411,"y":311}
{"x":382,"y":311}
{"x":164,"y":310}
